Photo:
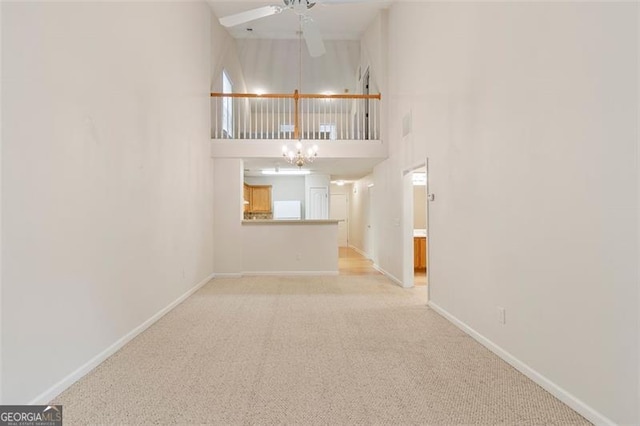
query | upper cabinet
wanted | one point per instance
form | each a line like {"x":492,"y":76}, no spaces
{"x":258,"y":198}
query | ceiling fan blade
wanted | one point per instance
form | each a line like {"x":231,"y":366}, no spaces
{"x":312,"y":37}
{"x":250,"y":15}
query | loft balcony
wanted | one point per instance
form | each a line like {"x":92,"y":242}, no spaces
{"x":295,"y":116}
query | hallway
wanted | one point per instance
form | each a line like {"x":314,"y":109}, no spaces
{"x":307,"y":350}
{"x":350,"y":262}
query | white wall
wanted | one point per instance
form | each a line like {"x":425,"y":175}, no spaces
{"x":224,"y":55}
{"x":228,"y":196}
{"x":274,"y":66}
{"x":373,"y":53}
{"x":419,"y":207}
{"x":107,"y":178}
{"x":374,"y":56}
{"x":283,"y":248}
{"x":528,"y":114}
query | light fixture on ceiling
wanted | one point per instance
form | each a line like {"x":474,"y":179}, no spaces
{"x":300,"y":157}
{"x":285,"y":172}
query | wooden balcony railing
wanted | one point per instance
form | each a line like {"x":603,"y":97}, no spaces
{"x":295,"y":116}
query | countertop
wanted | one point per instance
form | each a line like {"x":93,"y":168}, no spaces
{"x":419,"y":233}
{"x":289,"y":222}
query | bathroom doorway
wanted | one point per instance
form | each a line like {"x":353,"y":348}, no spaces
{"x":420,"y":241}
{"x":415,"y":228}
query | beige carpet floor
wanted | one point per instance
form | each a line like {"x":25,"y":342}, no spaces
{"x":320,"y":350}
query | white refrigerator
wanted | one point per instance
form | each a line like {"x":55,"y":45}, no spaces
{"x":287,"y":210}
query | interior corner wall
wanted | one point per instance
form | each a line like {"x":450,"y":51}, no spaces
{"x":374,"y":55}
{"x":531,"y":137}
{"x":360,"y":214}
{"x":227,"y":221}
{"x":106,"y":178}
{"x":224,"y":56}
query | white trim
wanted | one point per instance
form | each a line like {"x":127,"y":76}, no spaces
{"x":357,"y":250}
{"x":563,"y":395}
{"x":388,"y":275}
{"x":413,"y":168}
{"x":228,"y":275}
{"x":289,"y":273}
{"x":63,"y":384}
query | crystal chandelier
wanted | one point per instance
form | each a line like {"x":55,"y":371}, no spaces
{"x":300,"y":157}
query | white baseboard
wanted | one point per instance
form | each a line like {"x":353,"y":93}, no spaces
{"x":563,"y":395}
{"x":63,"y":384}
{"x":289,"y":273}
{"x":228,"y":275}
{"x":388,"y":275}
{"x":357,"y":250}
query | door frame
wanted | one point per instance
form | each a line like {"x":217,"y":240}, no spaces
{"x":366,"y":80}
{"x":407,"y":225}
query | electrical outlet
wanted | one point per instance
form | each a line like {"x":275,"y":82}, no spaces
{"x":502,"y":315}
{"x":298,"y":256}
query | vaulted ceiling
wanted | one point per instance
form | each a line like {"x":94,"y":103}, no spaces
{"x":272,"y":61}
{"x":336,"y":19}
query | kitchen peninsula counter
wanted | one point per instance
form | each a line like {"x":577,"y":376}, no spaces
{"x":289,"y":222}
{"x":290,"y":247}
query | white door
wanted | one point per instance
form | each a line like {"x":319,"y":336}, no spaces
{"x":340,"y":211}
{"x":318,"y":203}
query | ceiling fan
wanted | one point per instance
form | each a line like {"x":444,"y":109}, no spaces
{"x":309,"y":29}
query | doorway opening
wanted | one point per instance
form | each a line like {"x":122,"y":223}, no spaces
{"x":415,"y":231}
{"x":365,"y":91}
{"x":420,"y":245}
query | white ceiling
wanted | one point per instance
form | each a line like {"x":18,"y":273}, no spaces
{"x":336,"y":20}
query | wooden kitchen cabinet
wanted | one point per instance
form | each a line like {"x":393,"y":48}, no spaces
{"x":419,"y":253}
{"x":259,"y":198}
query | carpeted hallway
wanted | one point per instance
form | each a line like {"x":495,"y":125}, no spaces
{"x":313,"y":350}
